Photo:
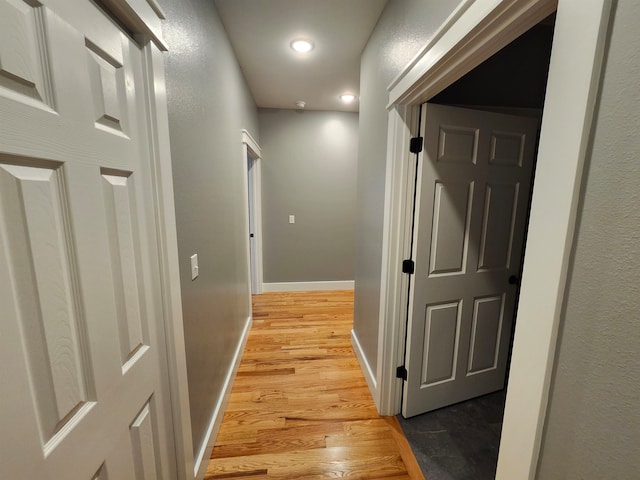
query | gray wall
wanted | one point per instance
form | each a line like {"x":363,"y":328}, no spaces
{"x":593,"y":423}
{"x":404,"y":27}
{"x":308,"y":170}
{"x":209,"y":105}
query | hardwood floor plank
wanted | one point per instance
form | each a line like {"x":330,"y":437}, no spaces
{"x":300,"y":407}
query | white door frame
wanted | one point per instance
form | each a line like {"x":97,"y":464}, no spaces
{"x":168,"y":260}
{"x":476,"y":30}
{"x":250,"y":148}
{"x":143,"y":19}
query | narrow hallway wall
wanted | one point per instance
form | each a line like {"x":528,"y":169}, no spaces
{"x":404,"y":27}
{"x":209,"y":105}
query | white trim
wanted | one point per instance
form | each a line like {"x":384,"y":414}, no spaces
{"x":251,"y":144}
{"x":158,"y":9}
{"x":140,"y":17}
{"x":483,"y":28}
{"x":473,"y":33}
{"x":247,"y":240}
{"x":364,"y":364}
{"x":307,"y":286}
{"x":572,"y":88}
{"x":422,"y":53}
{"x":395,"y":247}
{"x":254,"y":181}
{"x":164,"y":211}
{"x":204,"y":452}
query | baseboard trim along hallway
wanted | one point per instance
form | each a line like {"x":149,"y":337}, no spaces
{"x":307,"y":286}
{"x":216,"y":418}
{"x":362,"y":359}
{"x":300,"y":406}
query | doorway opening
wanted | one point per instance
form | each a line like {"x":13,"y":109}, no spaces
{"x":472,"y":34}
{"x":251,"y":155}
{"x":462,"y":440}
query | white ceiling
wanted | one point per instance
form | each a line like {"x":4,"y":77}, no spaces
{"x":260,"y":32}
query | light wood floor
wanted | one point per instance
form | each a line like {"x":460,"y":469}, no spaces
{"x":300,"y":407}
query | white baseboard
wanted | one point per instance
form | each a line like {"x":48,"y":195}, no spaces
{"x":364,"y":365}
{"x":204,"y":452}
{"x":307,"y":286}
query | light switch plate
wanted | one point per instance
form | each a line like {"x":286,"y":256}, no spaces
{"x":194,"y":266}
{"x":292,"y":219}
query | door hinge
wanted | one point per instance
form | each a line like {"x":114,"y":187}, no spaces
{"x":408,"y":266}
{"x":415,"y":144}
{"x":401,"y":372}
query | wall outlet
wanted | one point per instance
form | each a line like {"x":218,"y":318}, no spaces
{"x":194,"y":266}
{"x":292,"y":219}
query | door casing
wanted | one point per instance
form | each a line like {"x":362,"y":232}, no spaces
{"x":475,"y":31}
{"x":250,"y":148}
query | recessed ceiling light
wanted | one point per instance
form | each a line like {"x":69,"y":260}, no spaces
{"x":347,"y":97}
{"x":302,"y":46}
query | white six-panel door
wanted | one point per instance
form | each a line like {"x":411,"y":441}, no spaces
{"x":83,"y":385}
{"x":471,"y":206}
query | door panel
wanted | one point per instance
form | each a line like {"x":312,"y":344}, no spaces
{"x":142,"y":440}
{"x":488,"y":313}
{"x":457,"y":145}
{"x":440,"y":343}
{"x":82,"y":349}
{"x":507,"y":148}
{"x":119,"y":198}
{"x":39,"y":246}
{"x":471,"y":207}
{"x":23,"y":64}
{"x":498,"y":224}
{"x":450,"y":233}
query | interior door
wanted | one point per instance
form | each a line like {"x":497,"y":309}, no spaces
{"x":472,"y":199}
{"x":252,"y":221}
{"x":84,"y":392}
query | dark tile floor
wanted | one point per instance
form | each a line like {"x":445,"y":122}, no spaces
{"x":459,"y":442}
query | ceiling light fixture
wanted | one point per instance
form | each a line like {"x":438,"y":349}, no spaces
{"x":347,"y":97}
{"x":302,"y":46}
{"x":300,"y":104}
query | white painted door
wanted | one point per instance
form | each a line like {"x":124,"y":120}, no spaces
{"x":83,"y":385}
{"x":252,"y":221}
{"x":472,"y":198}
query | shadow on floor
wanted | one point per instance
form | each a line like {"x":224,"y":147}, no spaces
{"x":459,"y":442}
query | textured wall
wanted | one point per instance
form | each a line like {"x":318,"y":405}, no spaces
{"x":404,"y":27}
{"x":593,"y":423}
{"x":308,"y":170}
{"x":209,"y":105}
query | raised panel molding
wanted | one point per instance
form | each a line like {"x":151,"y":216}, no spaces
{"x":507,"y":149}
{"x":143,"y":445}
{"x":458,"y":145}
{"x":498,"y":226}
{"x":441,"y":331}
{"x":24,"y":63}
{"x":107,"y":88}
{"x":450,"y":230}
{"x":119,"y":194}
{"x":33,"y":205}
{"x":488,"y":316}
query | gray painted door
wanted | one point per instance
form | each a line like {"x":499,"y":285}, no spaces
{"x":82,"y":354}
{"x":471,"y":208}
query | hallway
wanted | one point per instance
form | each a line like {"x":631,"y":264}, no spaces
{"x":300,"y":407}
